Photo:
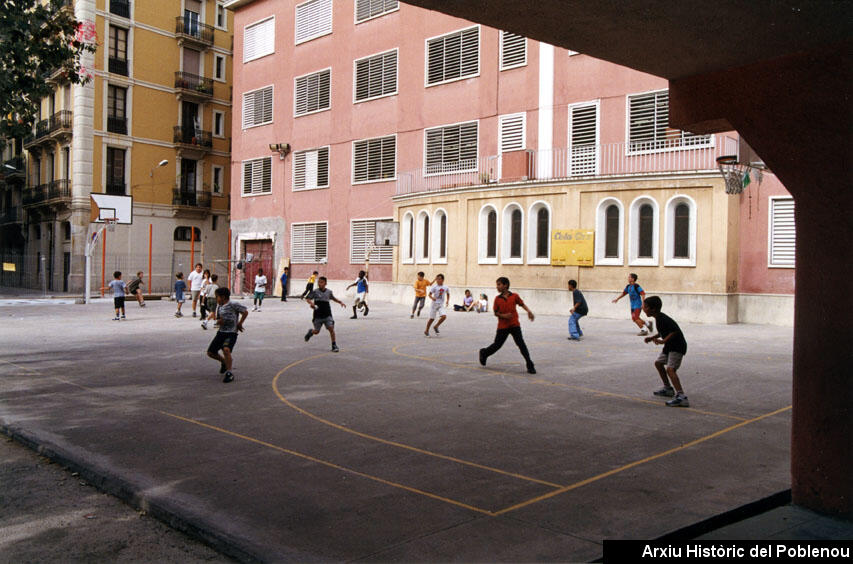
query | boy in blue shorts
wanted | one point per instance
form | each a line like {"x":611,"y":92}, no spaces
{"x":674,"y":348}
{"x":636,"y":293}
{"x":119,"y":289}
{"x":225,"y":339}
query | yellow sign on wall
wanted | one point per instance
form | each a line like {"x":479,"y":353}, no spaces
{"x":572,"y":247}
{"x":8,"y":267}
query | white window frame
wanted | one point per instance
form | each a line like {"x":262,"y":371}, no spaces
{"x":219,"y":57}
{"x":509,"y":117}
{"x":601,"y":234}
{"x":357,"y":21}
{"x":396,"y":51}
{"x":634,"y":232}
{"x":221,"y":169}
{"x":771,"y":215}
{"x":258,"y":55}
{"x":422,"y":254}
{"x":570,"y":137}
{"x":221,"y":123}
{"x":683,"y":147}
{"x":373,"y":181}
{"x":436,"y":236}
{"x":407,"y":233}
{"x":427,"y":84}
{"x":272,"y":107}
{"x":224,"y":26}
{"x":445,"y":126}
{"x":483,"y":235}
{"x":532,"y":226}
{"x":321,"y":33}
{"x":309,"y":186}
{"x":506,"y":234}
{"x":299,"y":260}
{"x":382,"y":254}
{"x":296,"y":93}
{"x":243,"y":178}
{"x":503,"y":34}
{"x":669,"y":235}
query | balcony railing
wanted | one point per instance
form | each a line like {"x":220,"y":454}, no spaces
{"x":194,"y":83}
{"x":61,"y":120}
{"x":194,"y":137}
{"x":59,"y":189}
{"x":15,"y":165}
{"x":191,"y":29}
{"x":118,"y":66}
{"x":117,"y":125}
{"x":13,"y":214}
{"x":590,"y":161}
{"x":120,"y":8}
{"x":35,"y":194}
{"x":115,"y":188}
{"x":189,"y":198}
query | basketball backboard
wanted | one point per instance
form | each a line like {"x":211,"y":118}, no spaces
{"x":387,"y":233}
{"x":107,"y":206}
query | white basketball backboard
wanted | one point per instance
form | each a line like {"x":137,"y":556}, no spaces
{"x":107,"y":206}
{"x":387,"y":233}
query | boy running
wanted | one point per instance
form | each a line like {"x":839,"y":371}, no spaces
{"x":226,"y":337}
{"x":636,"y":295}
{"x":210,"y":299}
{"x":508,"y":323}
{"x":440,"y":296}
{"x":361,"y":294}
{"x":421,"y":285}
{"x":134,"y":288}
{"x":119,"y":289}
{"x":196,"y":278}
{"x":309,"y":287}
{"x":180,"y":288}
{"x":260,"y":289}
{"x":319,"y":301}
{"x":579,"y":309}
{"x":674,"y":348}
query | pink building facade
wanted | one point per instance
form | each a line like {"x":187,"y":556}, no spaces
{"x":352,"y":112}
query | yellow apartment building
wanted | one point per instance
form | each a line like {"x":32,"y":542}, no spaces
{"x":152,"y":125}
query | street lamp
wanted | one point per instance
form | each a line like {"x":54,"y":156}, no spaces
{"x":164,"y":162}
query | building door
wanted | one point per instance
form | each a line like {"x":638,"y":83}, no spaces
{"x":66,"y":270}
{"x":262,"y":258}
{"x":188,"y":181}
{"x":189,"y":121}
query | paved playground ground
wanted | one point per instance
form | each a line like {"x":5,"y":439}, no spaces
{"x":400,"y":447}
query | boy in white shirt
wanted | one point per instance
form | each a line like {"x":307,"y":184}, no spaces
{"x":260,"y":289}
{"x":440,"y":296}
{"x":195,"y":279}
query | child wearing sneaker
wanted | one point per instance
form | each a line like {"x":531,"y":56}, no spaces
{"x":360,"y":295}
{"x":180,"y":288}
{"x":579,"y":309}
{"x":119,"y":289}
{"x":260,"y":289}
{"x":674,"y":348}
{"x":636,"y":294}
{"x":440,"y":296}
{"x":210,"y":299}
{"x":508,"y":323}
{"x":319,"y":301}
{"x":225,"y":339}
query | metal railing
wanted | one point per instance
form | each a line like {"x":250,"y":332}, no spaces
{"x":115,"y":188}
{"x":192,"y":29}
{"x":120,"y":8}
{"x":117,"y":125}
{"x":194,"y":82}
{"x":59,"y":189}
{"x":118,"y":66}
{"x":585,"y":162}
{"x":192,"y":136}
{"x":35,"y":194}
{"x":189,"y":198}
{"x":63,"y":119}
{"x":13,"y":214}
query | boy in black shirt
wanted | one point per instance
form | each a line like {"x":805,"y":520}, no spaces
{"x":674,"y":348}
{"x":579,"y":309}
{"x":319,"y":300}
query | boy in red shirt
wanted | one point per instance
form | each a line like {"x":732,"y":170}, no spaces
{"x":508,"y":324}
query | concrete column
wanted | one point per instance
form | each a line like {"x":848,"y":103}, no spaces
{"x":545,"y":143}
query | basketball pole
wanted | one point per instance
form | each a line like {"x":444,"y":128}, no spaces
{"x":229,"y":259}
{"x":150,"y":275}
{"x":192,"y":247}
{"x":103,"y":260}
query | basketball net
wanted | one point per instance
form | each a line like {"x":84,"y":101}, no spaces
{"x":737,"y":174}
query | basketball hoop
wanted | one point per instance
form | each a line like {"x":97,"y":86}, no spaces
{"x":111,"y":224}
{"x":736,"y":174}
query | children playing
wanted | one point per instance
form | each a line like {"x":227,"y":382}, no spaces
{"x":135,"y":290}
{"x":180,"y":288}
{"x":636,"y":294}
{"x":467,"y":303}
{"x":319,"y":301}
{"x":361,"y":294}
{"x":674,"y":348}
{"x":579,"y":309}
{"x":508,"y":323}
{"x":260,"y":289}
{"x":483,"y":304}
{"x":421,"y":285}
{"x":210,"y":299}
{"x":309,"y":287}
{"x":202,"y":297}
{"x":440,"y":296}
{"x":119,"y":289}
{"x":226,"y":338}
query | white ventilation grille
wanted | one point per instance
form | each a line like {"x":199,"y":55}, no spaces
{"x":313,"y":19}
{"x":783,"y":233}
{"x":584,"y":134}
{"x":511,"y":132}
{"x":513,"y":50}
{"x":258,"y":40}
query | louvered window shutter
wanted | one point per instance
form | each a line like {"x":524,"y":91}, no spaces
{"x":312,"y":92}
{"x":362,"y":233}
{"x":512,"y":133}
{"x":452,"y":148}
{"x":782,"y":232}
{"x":584,"y":133}
{"x":376,"y":76}
{"x":257,"y":107}
{"x":374,"y":159}
{"x":648,"y":126}
{"x":257,"y":176}
{"x":313,"y":19}
{"x":308,"y":242}
{"x":258,"y":40}
{"x":366,"y":9}
{"x":311,"y":169}
{"x":453,"y":56}
{"x":513,"y":50}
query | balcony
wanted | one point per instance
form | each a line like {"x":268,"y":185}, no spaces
{"x":605,"y":161}
{"x":118,"y":66}
{"x":193,"y":140}
{"x":13,"y":169}
{"x":40,"y":133}
{"x":35,"y":195}
{"x":189,"y":203}
{"x":59,"y":191}
{"x":192,"y":33}
{"x":120,"y":8}
{"x":117,"y":125}
{"x":12,"y":215}
{"x":60,"y":124}
{"x":114,"y":188}
{"x":193,"y":87}
{"x":51,"y":193}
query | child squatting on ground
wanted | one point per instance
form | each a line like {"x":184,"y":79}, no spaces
{"x":674,"y":348}
{"x":226,"y":338}
{"x":319,"y":301}
{"x":508,"y":323}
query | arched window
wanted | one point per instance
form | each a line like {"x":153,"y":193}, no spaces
{"x":512,"y":235}
{"x":422,"y":237}
{"x":409,"y":226}
{"x":515,"y":234}
{"x":487,"y":252}
{"x":647,"y":217}
{"x":680,"y":243}
{"x":440,"y":237}
{"x":539,"y":233}
{"x":425,"y":235}
{"x":611,"y":231}
{"x":542,"y":233}
{"x":492,"y":234}
{"x":643,"y":242}
{"x":183,"y":233}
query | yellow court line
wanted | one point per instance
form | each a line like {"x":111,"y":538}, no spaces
{"x":389,"y":442}
{"x":330,"y":464}
{"x":557,"y":384}
{"x":637,"y":463}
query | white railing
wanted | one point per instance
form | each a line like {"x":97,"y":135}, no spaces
{"x":591,"y":161}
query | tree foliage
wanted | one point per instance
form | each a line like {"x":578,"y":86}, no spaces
{"x":37,"y":38}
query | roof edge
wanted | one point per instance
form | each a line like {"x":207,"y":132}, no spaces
{"x":235,"y":4}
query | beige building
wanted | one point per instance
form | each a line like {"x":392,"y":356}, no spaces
{"x":160,"y":91}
